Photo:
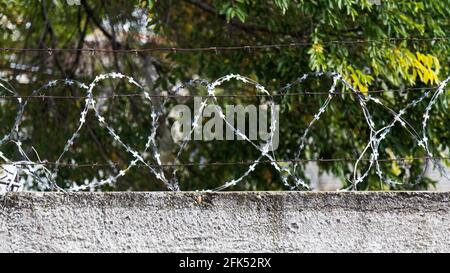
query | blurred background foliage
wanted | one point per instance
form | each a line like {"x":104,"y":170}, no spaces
{"x":341,"y":133}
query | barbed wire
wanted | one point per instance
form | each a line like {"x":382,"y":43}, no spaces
{"x":193,"y":164}
{"x":216,"y":49}
{"x":46,"y":173}
{"x":278,"y":94}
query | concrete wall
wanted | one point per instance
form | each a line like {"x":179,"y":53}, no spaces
{"x":247,"y":222}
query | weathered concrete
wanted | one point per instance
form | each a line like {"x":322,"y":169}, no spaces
{"x":240,"y":221}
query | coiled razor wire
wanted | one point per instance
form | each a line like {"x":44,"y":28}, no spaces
{"x":46,"y":177}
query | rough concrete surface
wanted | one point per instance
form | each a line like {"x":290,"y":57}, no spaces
{"x":225,"y":222}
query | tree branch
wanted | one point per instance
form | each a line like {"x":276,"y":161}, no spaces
{"x":245,"y":27}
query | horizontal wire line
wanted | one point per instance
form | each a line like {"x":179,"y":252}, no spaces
{"x":306,"y":93}
{"x":219,"y":48}
{"x":321,"y":160}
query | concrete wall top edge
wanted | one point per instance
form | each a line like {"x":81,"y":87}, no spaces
{"x":380,"y":201}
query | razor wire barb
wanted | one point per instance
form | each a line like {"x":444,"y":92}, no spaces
{"x":46,"y":173}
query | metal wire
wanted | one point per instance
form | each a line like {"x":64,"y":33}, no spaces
{"x":193,"y":164}
{"x":46,"y":177}
{"x":305,"y":93}
{"x":222,"y":48}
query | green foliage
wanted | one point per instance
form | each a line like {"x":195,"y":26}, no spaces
{"x":379,"y":61}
